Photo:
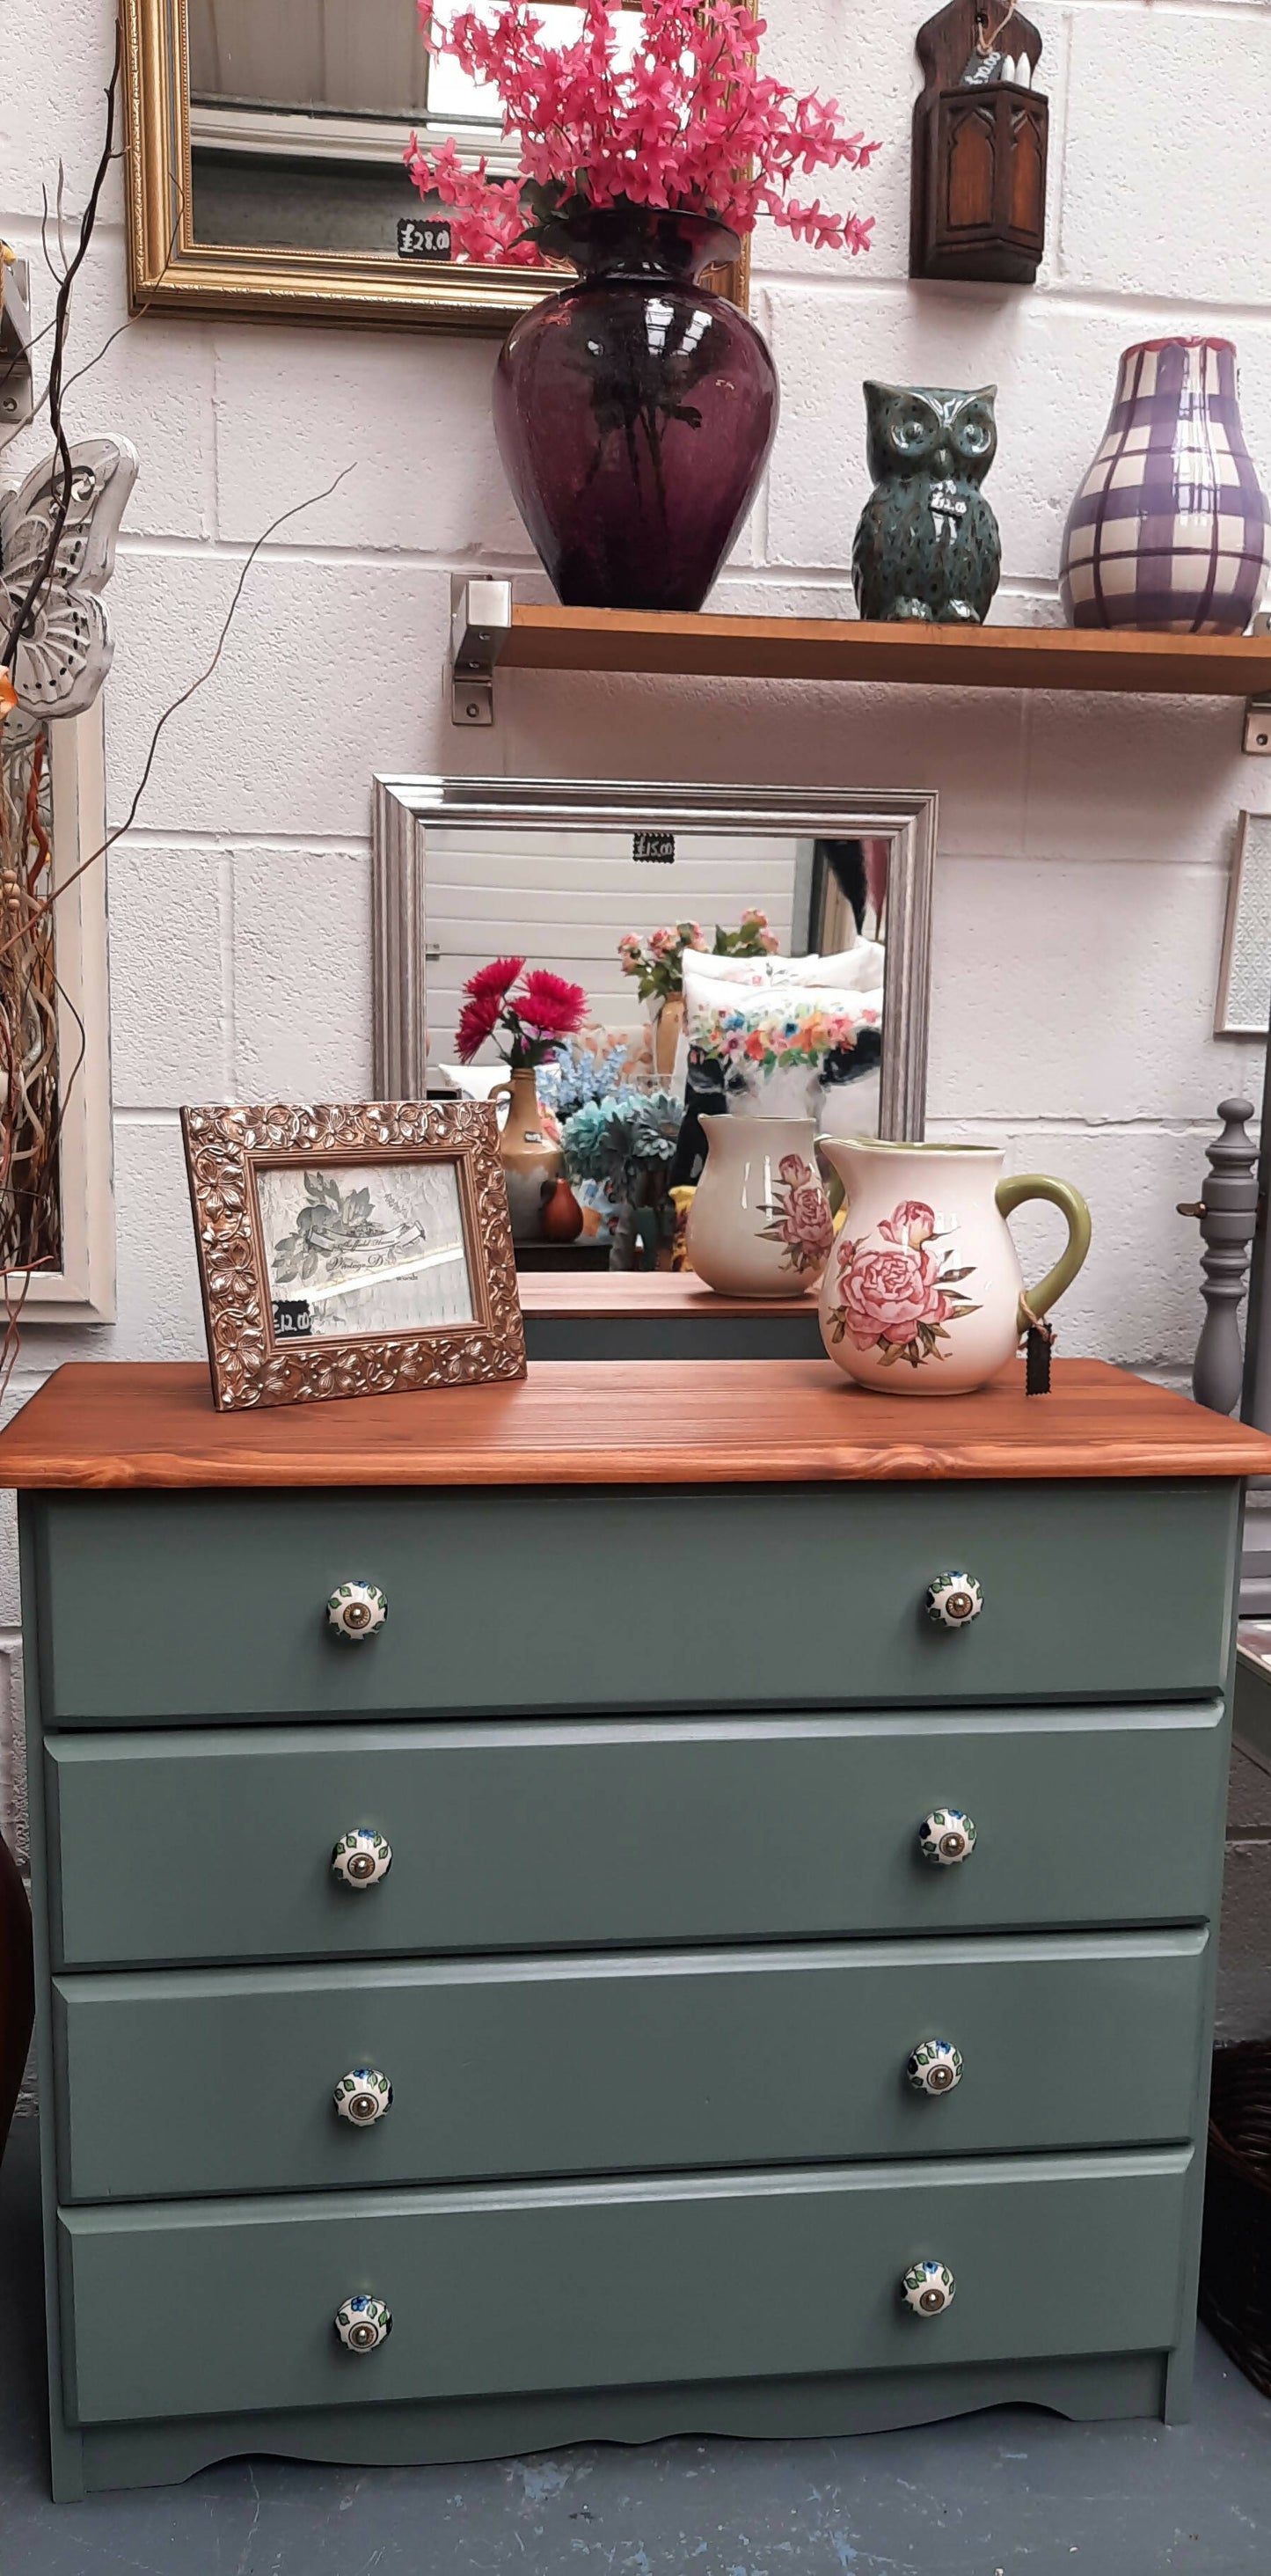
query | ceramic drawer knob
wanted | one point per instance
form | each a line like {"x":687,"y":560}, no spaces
{"x":363,"y":2096}
{"x":363,"y":2324}
{"x":946,"y":1836}
{"x":929,"y":2288}
{"x":362,"y":1857}
{"x":356,"y":1610}
{"x":954,"y":1600}
{"x":934,"y":2066}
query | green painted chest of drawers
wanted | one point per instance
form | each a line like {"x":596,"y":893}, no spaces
{"x":722,"y":2099}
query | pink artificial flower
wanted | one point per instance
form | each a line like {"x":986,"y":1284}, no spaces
{"x":688,"y":121}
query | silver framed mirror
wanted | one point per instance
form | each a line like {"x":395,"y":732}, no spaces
{"x":465,"y":869}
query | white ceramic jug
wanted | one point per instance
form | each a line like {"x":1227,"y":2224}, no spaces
{"x":923,"y":1294}
{"x":759,"y":1224}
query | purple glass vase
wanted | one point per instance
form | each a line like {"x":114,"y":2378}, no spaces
{"x":634,"y":413}
{"x":1171,"y":527}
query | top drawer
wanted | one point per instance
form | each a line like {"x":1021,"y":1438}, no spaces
{"x":159,"y":1606}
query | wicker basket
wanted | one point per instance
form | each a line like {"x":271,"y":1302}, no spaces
{"x":1235,"y":2262}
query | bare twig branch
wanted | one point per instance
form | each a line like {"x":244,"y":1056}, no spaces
{"x":196,"y":684}
{"x":136,"y":315}
{"x":62,"y":502}
{"x":37,"y":1073}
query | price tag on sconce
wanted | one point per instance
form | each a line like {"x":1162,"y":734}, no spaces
{"x":423,"y":237}
{"x":657,"y":847}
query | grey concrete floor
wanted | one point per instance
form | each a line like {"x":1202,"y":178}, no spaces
{"x":1013,"y":2493}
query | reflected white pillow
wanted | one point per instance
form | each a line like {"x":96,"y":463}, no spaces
{"x":773,"y":1023}
{"x":849,"y":969}
{"x":473,"y":1081}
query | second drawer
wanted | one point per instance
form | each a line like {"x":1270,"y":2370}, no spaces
{"x":210,"y":1844}
{"x":222,"y":2082}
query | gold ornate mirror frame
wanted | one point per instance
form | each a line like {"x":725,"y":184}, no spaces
{"x":169,"y":269}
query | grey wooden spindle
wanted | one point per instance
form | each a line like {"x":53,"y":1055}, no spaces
{"x":1228,"y":1215}
{"x":1256,"y":1400}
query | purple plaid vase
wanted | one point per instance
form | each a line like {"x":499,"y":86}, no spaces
{"x":1171,"y":527}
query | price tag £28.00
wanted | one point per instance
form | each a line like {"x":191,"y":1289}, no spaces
{"x":423,"y":237}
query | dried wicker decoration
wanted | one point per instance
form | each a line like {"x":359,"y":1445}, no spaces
{"x":1235,"y":2263}
{"x":30,"y":1132}
{"x":349,"y":1250}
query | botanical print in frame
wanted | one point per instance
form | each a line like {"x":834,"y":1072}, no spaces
{"x":352,"y":1250}
{"x":1244,"y":977}
{"x":363,"y":1248}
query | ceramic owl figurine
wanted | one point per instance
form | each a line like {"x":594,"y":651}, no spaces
{"x":928,"y":545}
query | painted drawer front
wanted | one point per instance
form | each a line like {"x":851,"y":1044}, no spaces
{"x":222,"y":2081}
{"x":216,"y":1844}
{"x":228,"y":2306}
{"x":154,"y":1607}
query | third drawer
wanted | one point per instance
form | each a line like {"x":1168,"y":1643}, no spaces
{"x":222,"y":2081}
{"x":215,"y":1843}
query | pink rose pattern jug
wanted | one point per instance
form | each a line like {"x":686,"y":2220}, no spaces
{"x":923,"y":1293}
{"x":760,"y":1223}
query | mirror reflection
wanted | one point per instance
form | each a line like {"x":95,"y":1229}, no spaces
{"x":677,"y":974}
{"x":299,"y":118}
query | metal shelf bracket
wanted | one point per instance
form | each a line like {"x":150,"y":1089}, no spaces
{"x":1257,"y":735}
{"x":17,"y":392}
{"x":480,"y":623}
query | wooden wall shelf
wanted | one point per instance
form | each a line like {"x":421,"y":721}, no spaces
{"x":953,"y":657}
{"x":490,"y":631}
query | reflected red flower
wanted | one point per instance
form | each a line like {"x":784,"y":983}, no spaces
{"x":550,"y":1005}
{"x":496,"y":978}
{"x":478,"y":1021}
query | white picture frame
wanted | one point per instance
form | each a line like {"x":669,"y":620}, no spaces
{"x":82,"y":1291}
{"x":1243,"y":1007}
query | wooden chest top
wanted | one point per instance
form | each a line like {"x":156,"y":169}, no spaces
{"x":131,"y":1425}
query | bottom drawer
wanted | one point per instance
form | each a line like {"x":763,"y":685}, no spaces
{"x":228,"y":2306}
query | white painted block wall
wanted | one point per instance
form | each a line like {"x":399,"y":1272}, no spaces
{"x":1084,"y":843}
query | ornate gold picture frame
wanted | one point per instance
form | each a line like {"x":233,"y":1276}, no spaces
{"x":354,"y":1249}
{"x":170,"y":266}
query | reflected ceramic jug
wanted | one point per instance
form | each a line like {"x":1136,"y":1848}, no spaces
{"x":759,"y":1224}
{"x":922,"y":1295}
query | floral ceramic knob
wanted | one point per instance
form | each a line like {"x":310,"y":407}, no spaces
{"x":934,"y":2066}
{"x":946,"y":1836}
{"x":362,"y":1857}
{"x":356,"y":1610}
{"x":954,"y":1600}
{"x":929,"y":2288}
{"x":363,"y":2324}
{"x":363,"y":2096}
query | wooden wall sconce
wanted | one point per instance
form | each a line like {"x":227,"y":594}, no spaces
{"x":978,"y":190}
